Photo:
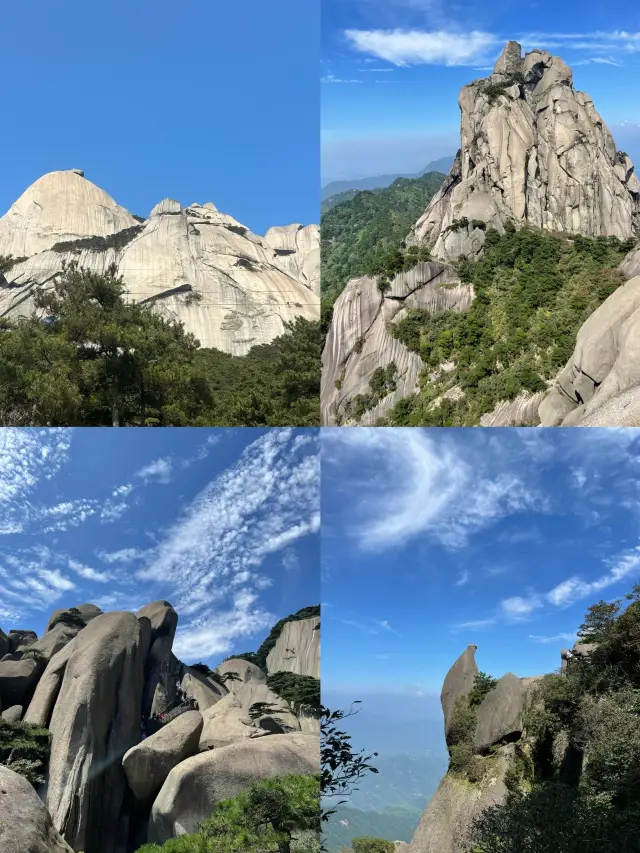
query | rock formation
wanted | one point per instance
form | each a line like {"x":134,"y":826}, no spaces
{"x":230,"y":288}
{"x":142,"y":745}
{"x":533,"y":150}
{"x":458,"y":682}
{"x":297,"y":649}
{"x":359,"y":342}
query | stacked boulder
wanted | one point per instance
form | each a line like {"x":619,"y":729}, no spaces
{"x":96,"y":682}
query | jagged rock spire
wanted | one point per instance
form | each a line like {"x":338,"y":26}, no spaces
{"x":510,"y":60}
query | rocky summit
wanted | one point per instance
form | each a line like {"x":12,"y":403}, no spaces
{"x":231,"y":288}
{"x":534,"y":150}
{"x":107,"y":740}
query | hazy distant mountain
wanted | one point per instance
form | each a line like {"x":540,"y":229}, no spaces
{"x":359,"y":184}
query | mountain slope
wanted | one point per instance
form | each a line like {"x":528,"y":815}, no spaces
{"x":381,"y":181}
{"x":356,"y":234}
{"x":231,"y":289}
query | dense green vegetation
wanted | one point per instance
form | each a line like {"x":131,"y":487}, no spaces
{"x":462,"y":726}
{"x":576,"y":785}
{"x":359,"y":232}
{"x":24,"y":748}
{"x":259,"y":658}
{"x":97,"y":360}
{"x":278,"y":815}
{"x":396,"y":823}
{"x":72,"y":618}
{"x":300,"y":691}
{"x":533,"y":292}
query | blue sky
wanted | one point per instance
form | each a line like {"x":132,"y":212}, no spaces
{"x":221,"y":523}
{"x":392,"y":71}
{"x":199,"y":101}
{"x":434,"y":539}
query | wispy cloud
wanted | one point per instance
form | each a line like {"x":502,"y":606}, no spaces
{"x":88,"y":573}
{"x":569,"y":638}
{"x":159,"y":471}
{"x":332,"y":78}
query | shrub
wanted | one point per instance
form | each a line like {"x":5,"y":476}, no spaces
{"x":24,"y":748}
{"x":72,"y":618}
{"x":372,"y":845}
{"x":298,"y":690}
{"x":482,"y":684}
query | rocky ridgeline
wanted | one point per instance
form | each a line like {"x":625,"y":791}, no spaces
{"x":142,"y":745}
{"x":232,"y":289}
{"x":533,"y":151}
{"x":489,"y":743}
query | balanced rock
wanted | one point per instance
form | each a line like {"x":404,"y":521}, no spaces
{"x":25,"y":823}
{"x":458,"y":682}
{"x":500,"y":714}
{"x":95,"y":720}
{"x":163,"y":619}
{"x":193,"y":788}
{"x":148,"y":763}
{"x":87,"y":612}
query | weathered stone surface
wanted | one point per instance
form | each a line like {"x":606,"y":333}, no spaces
{"x":41,"y":706}
{"x":537,"y":153}
{"x":163,"y":619}
{"x":156,"y":667}
{"x":248,"y":290}
{"x":54,"y":640}
{"x":447,"y":820}
{"x":458,"y":682}
{"x":251,"y":689}
{"x":148,"y":763}
{"x":21,"y":640}
{"x":25,"y":824}
{"x":86,"y":611}
{"x":297,"y":249}
{"x":225,"y":723}
{"x":96,"y":719}
{"x":499,"y":715}
{"x":18,"y":680}
{"x":193,"y":788}
{"x":630,"y":266}
{"x":170,"y":676}
{"x":523,"y":411}
{"x":205,"y":692}
{"x":297,"y":649}
{"x":12,"y":715}
{"x":358,"y":341}
{"x":605,"y":364}
{"x":4,"y":644}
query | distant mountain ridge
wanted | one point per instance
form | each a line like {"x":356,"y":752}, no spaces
{"x":382,"y":181}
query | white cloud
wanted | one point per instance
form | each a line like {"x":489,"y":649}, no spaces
{"x":124,"y":555}
{"x":569,"y":638}
{"x":574,"y":588}
{"x":477,"y":623}
{"x":417,"y":47}
{"x":159,"y":471}
{"x":88,"y":573}
{"x":331,"y":78}
{"x":517,"y":608}
{"x":463,"y":578}
{"x":290,"y":561}
{"x":414,"y":485}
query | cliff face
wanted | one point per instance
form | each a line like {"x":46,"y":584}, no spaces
{"x":359,"y":342}
{"x":297,"y":649}
{"x":141,"y":745}
{"x":231,"y":289}
{"x":535,"y":150}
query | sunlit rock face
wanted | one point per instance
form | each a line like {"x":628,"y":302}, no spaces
{"x":534,"y":150}
{"x":231,"y":288}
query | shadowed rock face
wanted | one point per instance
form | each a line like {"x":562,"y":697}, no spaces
{"x":533,"y":150}
{"x":249,"y":286}
{"x":359,"y":342}
{"x":500,"y":714}
{"x":458,"y":682}
{"x":25,"y":824}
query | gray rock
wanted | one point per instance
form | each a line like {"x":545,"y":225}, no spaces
{"x":205,"y":692}
{"x":193,"y":788}
{"x":41,"y":706}
{"x":251,"y":688}
{"x":95,"y":720}
{"x":458,"y":682}
{"x":25,"y":824}
{"x":297,"y":649}
{"x":163,"y":619}
{"x":500,"y":714}
{"x":156,"y":670}
{"x":86,"y":611}
{"x":4,"y":644}
{"x":538,"y":153}
{"x":12,"y":714}
{"x":446,"y":823}
{"x":225,"y":723}
{"x":148,"y":763}
{"x":54,"y":640}
{"x":18,"y":680}
{"x":167,"y":205}
{"x":19,"y":641}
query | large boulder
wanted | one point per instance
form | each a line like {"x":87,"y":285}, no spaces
{"x":156,"y":672}
{"x":297,"y":649}
{"x":96,"y":719}
{"x":54,"y":640}
{"x":163,"y":619}
{"x":12,"y":714}
{"x":226,"y":723}
{"x":18,"y":679}
{"x":200,"y":688}
{"x":499,"y":715}
{"x":458,"y":682}
{"x":86,"y":611}
{"x":445,"y":824}
{"x":19,"y":641}
{"x":45,"y":695}
{"x":250,"y":686}
{"x":148,"y":763}
{"x":25,"y":824}
{"x":193,"y":788}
